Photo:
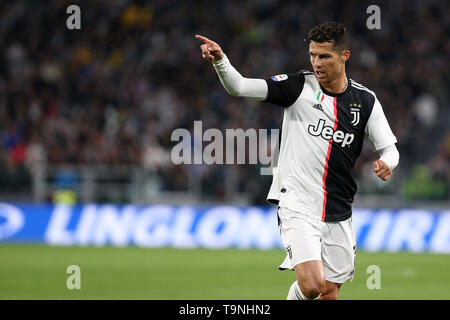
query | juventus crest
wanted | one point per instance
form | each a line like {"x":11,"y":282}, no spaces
{"x":355,"y":114}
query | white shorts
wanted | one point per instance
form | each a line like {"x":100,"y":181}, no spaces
{"x":306,"y":238}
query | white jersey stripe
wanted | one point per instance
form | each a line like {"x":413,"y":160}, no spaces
{"x":364,"y":89}
{"x":358,"y":84}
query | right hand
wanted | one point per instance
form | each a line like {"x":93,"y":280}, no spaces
{"x":211,"y":51}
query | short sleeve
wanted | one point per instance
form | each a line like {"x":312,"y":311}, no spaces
{"x":378,"y":130}
{"x":284,"y":89}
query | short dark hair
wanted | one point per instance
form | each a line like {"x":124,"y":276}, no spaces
{"x":330,"y":32}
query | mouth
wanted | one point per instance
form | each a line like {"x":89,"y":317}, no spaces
{"x":320,"y":74}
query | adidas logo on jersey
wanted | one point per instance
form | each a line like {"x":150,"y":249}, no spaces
{"x":327,"y":133}
{"x":318,"y":106}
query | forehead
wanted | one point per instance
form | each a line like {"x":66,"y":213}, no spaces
{"x":321,"y":47}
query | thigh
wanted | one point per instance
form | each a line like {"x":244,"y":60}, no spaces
{"x":301,"y":238}
{"x":338,"y":251}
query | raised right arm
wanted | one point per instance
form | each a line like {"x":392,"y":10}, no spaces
{"x":233,"y":82}
{"x":237,"y":85}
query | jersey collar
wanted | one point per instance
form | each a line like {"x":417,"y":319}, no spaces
{"x":328,"y":93}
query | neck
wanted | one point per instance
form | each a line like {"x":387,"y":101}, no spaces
{"x":338,"y":85}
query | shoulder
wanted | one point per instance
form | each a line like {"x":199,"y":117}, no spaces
{"x":284,"y":89}
{"x":367,"y":96}
{"x":307,"y":73}
{"x":287,"y":77}
{"x":362,"y":90}
{"x":308,"y":76}
{"x":294,"y":80}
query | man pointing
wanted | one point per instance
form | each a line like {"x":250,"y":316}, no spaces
{"x":326,"y":118}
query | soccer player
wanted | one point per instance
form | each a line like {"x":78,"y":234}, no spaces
{"x":326,"y":117}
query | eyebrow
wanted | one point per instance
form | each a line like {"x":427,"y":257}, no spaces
{"x":320,"y":54}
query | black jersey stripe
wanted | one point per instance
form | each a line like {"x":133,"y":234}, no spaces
{"x":340,"y":185}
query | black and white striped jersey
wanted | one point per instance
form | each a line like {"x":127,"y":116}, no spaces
{"x":321,"y":137}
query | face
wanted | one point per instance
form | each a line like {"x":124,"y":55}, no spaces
{"x":327,"y":62}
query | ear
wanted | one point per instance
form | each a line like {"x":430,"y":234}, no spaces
{"x":345,"y":55}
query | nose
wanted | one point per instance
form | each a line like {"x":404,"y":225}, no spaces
{"x":316,"y":62}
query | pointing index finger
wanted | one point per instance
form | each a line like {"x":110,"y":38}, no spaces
{"x":204,"y":39}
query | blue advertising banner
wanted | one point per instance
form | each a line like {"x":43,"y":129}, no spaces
{"x":208,"y":226}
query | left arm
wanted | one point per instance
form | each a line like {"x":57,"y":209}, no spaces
{"x":389,"y":157}
{"x":383,"y":140}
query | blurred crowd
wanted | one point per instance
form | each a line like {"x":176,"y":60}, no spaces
{"x":114,"y":91}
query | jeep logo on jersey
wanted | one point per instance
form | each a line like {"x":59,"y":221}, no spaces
{"x":327,"y":132}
